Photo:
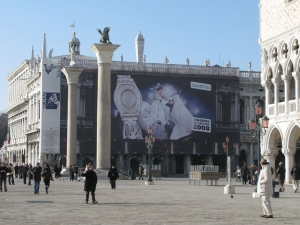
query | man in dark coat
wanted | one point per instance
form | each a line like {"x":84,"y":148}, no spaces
{"x":3,"y":172}
{"x":295,"y":172}
{"x":113,"y":175}
{"x":24,"y":171}
{"x":245,"y":173}
{"x":16,"y":170}
{"x":90,"y":183}
{"x":281,"y":176}
{"x":141,"y":172}
{"x":75,"y":172}
{"x":36,"y":171}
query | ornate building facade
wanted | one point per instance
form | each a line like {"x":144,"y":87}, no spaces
{"x":236,"y":95}
{"x":279,"y":40}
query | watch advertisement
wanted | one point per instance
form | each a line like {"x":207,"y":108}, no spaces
{"x":174,"y":107}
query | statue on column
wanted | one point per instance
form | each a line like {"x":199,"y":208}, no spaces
{"x":207,"y":62}
{"x":249,"y":65}
{"x":187,"y":61}
{"x":104,"y":36}
{"x":166,"y":60}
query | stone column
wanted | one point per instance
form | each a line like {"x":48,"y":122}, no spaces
{"x":289,"y":162}
{"x":250,"y":160}
{"x":72,"y":75}
{"x":121,"y":162}
{"x":251,"y":108}
{"x":296,"y":76}
{"x":266,"y":84}
{"x":276,"y":82}
{"x":104,"y":54}
{"x":270,"y":156}
{"x":286,"y":79}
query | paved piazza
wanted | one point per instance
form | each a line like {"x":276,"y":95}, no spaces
{"x":169,"y":201}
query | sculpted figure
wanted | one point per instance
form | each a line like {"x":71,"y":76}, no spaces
{"x":104,"y":36}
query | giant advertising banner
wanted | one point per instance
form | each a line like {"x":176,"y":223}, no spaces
{"x":50,"y":106}
{"x":175,"y":107}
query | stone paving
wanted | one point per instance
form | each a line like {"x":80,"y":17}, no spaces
{"x":168,"y":201}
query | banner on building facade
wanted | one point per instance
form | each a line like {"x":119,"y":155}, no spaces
{"x":50,"y":106}
{"x":174,"y":107}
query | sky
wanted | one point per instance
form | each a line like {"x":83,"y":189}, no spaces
{"x":219,"y":30}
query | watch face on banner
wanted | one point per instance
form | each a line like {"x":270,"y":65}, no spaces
{"x":174,"y":107}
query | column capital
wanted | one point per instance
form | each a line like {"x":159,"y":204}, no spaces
{"x":72,"y":74}
{"x":104,"y":52}
{"x":286,"y":78}
{"x":269,"y":153}
{"x":289,"y":151}
{"x":266,"y":83}
{"x":276,"y":80}
{"x":296,"y":75}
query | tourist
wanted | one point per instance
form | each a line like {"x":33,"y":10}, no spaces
{"x":29,"y":174}
{"x":16,"y":168}
{"x":71,"y":173}
{"x":47,"y":177}
{"x":24,"y":171}
{"x":3,"y":173}
{"x":20,"y":171}
{"x":75,"y":168}
{"x":281,"y":176}
{"x":90,"y":183}
{"x":36,"y":171}
{"x":245,"y":173}
{"x":11,"y":174}
{"x":238,"y":174}
{"x":252,"y":174}
{"x":295,"y":172}
{"x":113,"y":175}
{"x":264,"y":188}
{"x":141,"y":171}
{"x":57,"y":171}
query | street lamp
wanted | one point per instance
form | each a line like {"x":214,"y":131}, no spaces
{"x":149,"y":140}
{"x":258,"y":127}
{"x":228,"y":189}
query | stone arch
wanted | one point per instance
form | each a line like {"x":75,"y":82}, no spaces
{"x":244,"y":147}
{"x":289,"y":67}
{"x":278,"y":70}
{"x":297,"y":63}
{"x":273,"y":135}
{"x":292,"y":135}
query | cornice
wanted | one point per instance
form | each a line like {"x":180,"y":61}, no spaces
{"x":20,"y":68}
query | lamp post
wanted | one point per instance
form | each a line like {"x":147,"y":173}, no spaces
{"x":228,"y":189}
{"x":258,"y":127}
{"x":149,"y":140}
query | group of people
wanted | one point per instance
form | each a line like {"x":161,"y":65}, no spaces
{"x":73,"y":172}
{"x":33,"y":173}
{"x":247,"y":174}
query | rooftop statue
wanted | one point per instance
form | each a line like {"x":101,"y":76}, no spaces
{"x":104,"y":36}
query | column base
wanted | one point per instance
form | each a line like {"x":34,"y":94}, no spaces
{"x":149,"y":183}
{"x":229,"y":189}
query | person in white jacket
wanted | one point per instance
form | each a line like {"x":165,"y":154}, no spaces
{"x":264,"y":188}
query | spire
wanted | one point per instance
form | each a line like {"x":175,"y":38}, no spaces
{"x":32,"y":58}
{"x":139,"y":47}
{"x":44,"y":54}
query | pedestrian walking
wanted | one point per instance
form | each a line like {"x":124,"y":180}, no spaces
{"x":295,"y":172}
{"x":57,"y":171}
{"x":238,"y":174}
{"x":264,"y":188}
{"x":20,"y":167}
{"x":24,"y":171}
{"x":3,"y":174}
{"x":90,"y":183}
{"x":280,"y":172}
{"x":11,"y":174}
{"x":36,"y":171}
{"x":75,"y":168}
{"x":141,"y":172}
{"x":29,"y":174}
{"x":16,"y":168}
{"x":47,"y":175}
{"x":71,"y":173}
{"x":113,"y":175}
{"x":245,"y":173}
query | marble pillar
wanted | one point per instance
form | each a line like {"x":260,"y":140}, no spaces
{"x":267,"y":85}
{"x":289,"y":162}
{"x":296,"y":76}
{"x":104,"y":54}
{"x":276,"y":82}
{"x":72,"y":74}
{"x":270,"y":156}
{"x":287,"y":80}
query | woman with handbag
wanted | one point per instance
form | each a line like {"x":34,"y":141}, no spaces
{"x":47,"y":177}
